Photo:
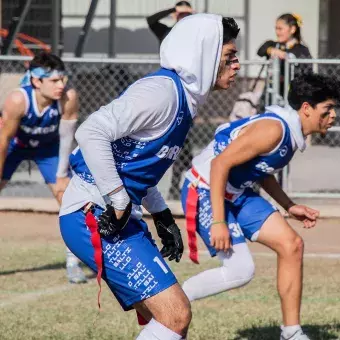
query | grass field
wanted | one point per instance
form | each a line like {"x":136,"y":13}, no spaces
{"x":36,"y":302}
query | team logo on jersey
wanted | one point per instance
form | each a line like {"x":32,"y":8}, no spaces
{"x":169,"y":152}
{"x":264,"y":167}
{"x":33,"y":143}
{"x":180,"y":118}
{"x":38,"y":130}
{"x":54,"y":113}
{"x":283,"y":151}
{"x":219,"y":146}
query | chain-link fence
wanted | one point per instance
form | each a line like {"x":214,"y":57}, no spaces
{"x":315,"y":173}
{"x":99,"y":82}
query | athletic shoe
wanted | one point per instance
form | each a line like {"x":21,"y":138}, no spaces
{"x":298,"y":335}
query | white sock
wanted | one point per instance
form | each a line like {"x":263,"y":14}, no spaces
{"x":288,"y":331}
{"x":71,"y":259}
{"x":156,"y":331}
{"x":237,"y":270}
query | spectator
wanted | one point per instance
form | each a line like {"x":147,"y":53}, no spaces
{"x":181,"y":10}
{"x":287,"y":45}
{"x":183,"y":162}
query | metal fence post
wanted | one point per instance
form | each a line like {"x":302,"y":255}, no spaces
{"x":56,"y":27}
{"x":285,"y":173}
{"x":275,"y":81}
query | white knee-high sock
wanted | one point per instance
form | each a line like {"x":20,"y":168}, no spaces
{"x":156,"y":331}
{"x":237,"y":270}
{"x":71,"y":259}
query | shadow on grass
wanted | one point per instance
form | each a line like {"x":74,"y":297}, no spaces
{"x":54,"y":266}
{"x":271,"y":332}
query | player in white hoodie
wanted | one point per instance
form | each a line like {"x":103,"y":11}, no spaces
{"x":124,"y":150}
{"x":221,"y":206}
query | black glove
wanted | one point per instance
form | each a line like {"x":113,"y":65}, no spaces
{"x":109,"y":225}
{"x":170,"y":235}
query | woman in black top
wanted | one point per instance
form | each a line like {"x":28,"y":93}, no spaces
{"x":181,"y":10}
{"x":288,"y":45}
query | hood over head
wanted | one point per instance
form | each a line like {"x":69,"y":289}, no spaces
{"x":193,"y":50}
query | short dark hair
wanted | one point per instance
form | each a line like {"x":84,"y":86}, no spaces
{"x":230,"y":29}
{"x":183,"y":3}
{"x":48,"y":61}
{"x":313,"y":89}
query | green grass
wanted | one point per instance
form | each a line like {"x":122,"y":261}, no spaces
{"x":36,"y":302}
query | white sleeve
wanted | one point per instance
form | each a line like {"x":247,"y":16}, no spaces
{"x":67,"y":129}
{"x":147,"y":108}
{"x":154,"y":202}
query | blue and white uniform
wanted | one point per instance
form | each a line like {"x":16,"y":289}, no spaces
{"x":246,"y":211}
{"x":131,"y":273}
{"x":141,"y":163}
{"x":37,"y":138}
{"x":131,"y":142}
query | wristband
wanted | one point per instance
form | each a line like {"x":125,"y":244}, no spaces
{"x":218,"y":222}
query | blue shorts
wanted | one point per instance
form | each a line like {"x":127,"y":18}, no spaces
{"x":133,"y":267}
{"x":245,"y":216}
{"x":46,"y":158}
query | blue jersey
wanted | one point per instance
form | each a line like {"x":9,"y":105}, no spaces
{"x":246,"y":174}
{"x":38,"y":129}
{"x":141,"y":164}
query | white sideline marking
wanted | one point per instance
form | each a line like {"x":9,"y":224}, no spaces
{"x":307,"y":255}
{"x":32,"y":296}
{"x":272,"y":254}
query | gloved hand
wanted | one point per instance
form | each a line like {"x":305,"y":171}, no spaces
{"x":170,"y":235}
{"x":109,"y":225}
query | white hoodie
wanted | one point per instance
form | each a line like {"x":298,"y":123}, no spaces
{"x":193,"y":49}
{"x":147,"y":109}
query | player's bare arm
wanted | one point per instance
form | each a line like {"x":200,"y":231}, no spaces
{"x":70,"y":105}
{"x":13,"y":110}
{"x":273,"y":188}
{"x":256,"y":139}
{"x":300,"y":212}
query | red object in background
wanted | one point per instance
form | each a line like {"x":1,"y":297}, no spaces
{"x":20,"y":43}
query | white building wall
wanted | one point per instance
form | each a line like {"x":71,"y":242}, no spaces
{"x":262,"y":16}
